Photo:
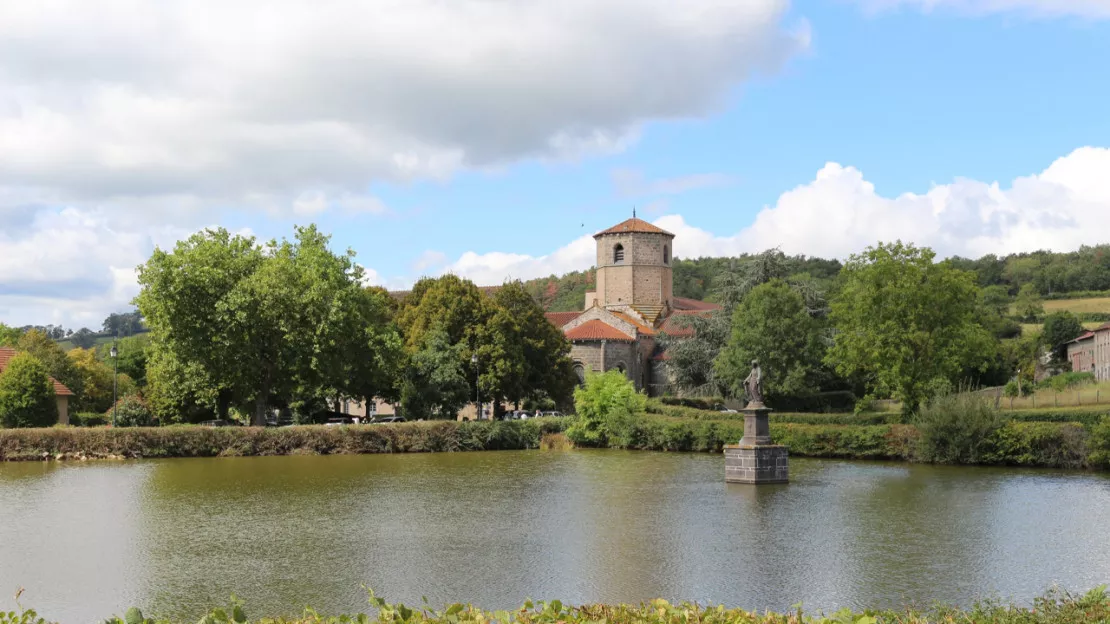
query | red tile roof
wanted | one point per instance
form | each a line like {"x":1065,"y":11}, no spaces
{"x":675,"y":328}
{"x":559,"y":319}
{"x":597,"y":330}
{"x":6,"y":355}
{"x":634,"y":225}
{"x":681,"y":303}
{"x":640,"y":326}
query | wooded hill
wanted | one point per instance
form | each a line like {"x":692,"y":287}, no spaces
{"x":1052,"y":275}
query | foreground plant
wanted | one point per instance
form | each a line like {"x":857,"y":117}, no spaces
{"x":1055,"y":607}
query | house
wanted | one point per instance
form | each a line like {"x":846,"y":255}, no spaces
{"x":632,"y":305}
{"x":1090,"y":353}
{"x":63,"y":393}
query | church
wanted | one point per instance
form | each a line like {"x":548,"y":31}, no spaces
{"x":631,"y":306}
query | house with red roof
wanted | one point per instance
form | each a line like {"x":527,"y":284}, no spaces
{"x":631,"y":306}
{"x":1090,"y":353}
{"x":63,"y":393}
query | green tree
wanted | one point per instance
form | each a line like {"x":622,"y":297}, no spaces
{"x":27,"y":396}
{"x":435,"y":383}
{"x":905,"y":323}
{"x":9,"y":336}
{"x":1028,"y":305}
{"x":132,"y":354}
{"x":83,"y":338}
{"x":264,"y":322}
{"x":1059,"y":329}
{"x":53,"y":357}
{"x":773,"y":325}
{"x":608,"y":408}
{"x":179,"y":392}
{"x":98,"y":383}
{"x":530,"y":357}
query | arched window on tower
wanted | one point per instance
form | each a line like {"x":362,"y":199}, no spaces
{"x":618,"y":254}
{"x":666,"y":254}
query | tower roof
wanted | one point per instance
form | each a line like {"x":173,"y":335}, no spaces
{"x":634,"y":225}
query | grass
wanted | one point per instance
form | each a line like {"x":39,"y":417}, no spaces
{"x":1078,"y":306}
{"x":1087,"y":395}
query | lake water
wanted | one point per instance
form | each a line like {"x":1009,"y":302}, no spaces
{"x":177,"y":536}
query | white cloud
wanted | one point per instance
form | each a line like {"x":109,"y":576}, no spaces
{"x":297,"y":106}
{"x":1029,"y":8}
{"x":839,"y":213}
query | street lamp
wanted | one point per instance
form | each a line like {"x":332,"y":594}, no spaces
{"x":115,"y":381}
{"x":477,"y":390}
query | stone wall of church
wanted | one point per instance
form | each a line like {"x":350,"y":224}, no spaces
{"x":644,"y":277}
{"x":601,"y":357}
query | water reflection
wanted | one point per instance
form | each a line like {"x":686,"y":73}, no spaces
{"x":176,"y":536}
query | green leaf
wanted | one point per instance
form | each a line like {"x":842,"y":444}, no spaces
{"x":133,"y":616}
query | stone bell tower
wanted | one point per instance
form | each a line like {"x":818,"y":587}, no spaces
{"x":634,"y":269}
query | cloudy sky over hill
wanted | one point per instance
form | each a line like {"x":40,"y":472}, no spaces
{"x":492,"y":138}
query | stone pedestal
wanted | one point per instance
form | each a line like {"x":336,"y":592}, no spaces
{"x":756,"y":459}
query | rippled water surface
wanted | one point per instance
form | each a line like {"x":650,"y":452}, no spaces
{"x":176,"y":536}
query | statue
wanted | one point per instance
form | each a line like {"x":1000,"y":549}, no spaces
{"x":753,"y":386}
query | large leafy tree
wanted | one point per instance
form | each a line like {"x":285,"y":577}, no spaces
{"x":53,"y":357}
{"x":267,"y":322}
{"x":98,"y":382}
{"x":1059,"y":329}
{"x":27,"y":396}
{"x":905,"y":323}
{"x":773,"y":325}
{"x":1029,"y":306}
{"x":436,"y":384}
{"x":530,"y":356}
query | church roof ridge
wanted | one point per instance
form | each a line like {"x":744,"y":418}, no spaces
{"x":634,"y":226}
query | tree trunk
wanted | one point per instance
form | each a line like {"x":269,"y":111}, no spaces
{"x":259,"y":418}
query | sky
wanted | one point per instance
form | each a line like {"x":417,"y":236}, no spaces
{"x":491,"y":139}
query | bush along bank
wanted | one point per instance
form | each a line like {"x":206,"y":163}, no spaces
{"x":1055,"y":607}
{"x":189,"y":441}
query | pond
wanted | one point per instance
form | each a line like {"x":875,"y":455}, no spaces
{"x":495,"y":528}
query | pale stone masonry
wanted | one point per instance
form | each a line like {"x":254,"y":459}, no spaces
{"x":633,"y":303}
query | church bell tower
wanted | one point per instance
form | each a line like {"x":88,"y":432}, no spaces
{"x":634,"y":269}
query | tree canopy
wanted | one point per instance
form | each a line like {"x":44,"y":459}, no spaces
{"x":27,"y":396}
{"x":905,"y":323}
{"x":773,"y":325}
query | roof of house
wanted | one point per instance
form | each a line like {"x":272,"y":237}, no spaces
{"x":634,"y":225}
{"x":675,"y":327}
{"x":642,"y":327}
{"x":6,"y":355}
{"x":560,"y":319}
{"x":681,"y":303}
{"x":597,"y":330}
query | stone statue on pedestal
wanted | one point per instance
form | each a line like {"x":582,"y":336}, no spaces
{"x":753,"y":386}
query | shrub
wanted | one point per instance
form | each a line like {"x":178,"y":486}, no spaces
{"x":954,"y":427}
{"x":1042,"y":444}
{"x":1085,"y":416}
{"x":27,"y":396}
{"x":1099,"y":444}
{"x":1065,"y":381}
{"x":89,"y":419}
{"x":132,"y":411}
{"x":608,"y":407}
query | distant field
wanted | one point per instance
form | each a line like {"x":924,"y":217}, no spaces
{"x":1099,"y":304}
{"x":1028,"y":329}
{"x":66,"y":345}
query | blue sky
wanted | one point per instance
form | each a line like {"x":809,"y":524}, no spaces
{"x":800,"y":125}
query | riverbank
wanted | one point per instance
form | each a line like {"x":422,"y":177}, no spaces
{"x":1055,"y":607}
{"x":1019,"y":443}
{"x":192,"y":441}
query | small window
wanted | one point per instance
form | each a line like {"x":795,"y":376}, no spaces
{"x":618,"y":254}
{"x":666,"y":254}
{"x":580,"y":372}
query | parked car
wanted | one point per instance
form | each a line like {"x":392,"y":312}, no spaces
{"x":339,"y":421}
{"x":387,"y":419}
{"x":552,"y":414}
{"x":219,"y":423}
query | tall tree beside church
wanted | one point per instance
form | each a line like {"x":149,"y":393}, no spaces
{"x":906,"y":323}
{"x":773,"y":325}
{"x":533,"y":355}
